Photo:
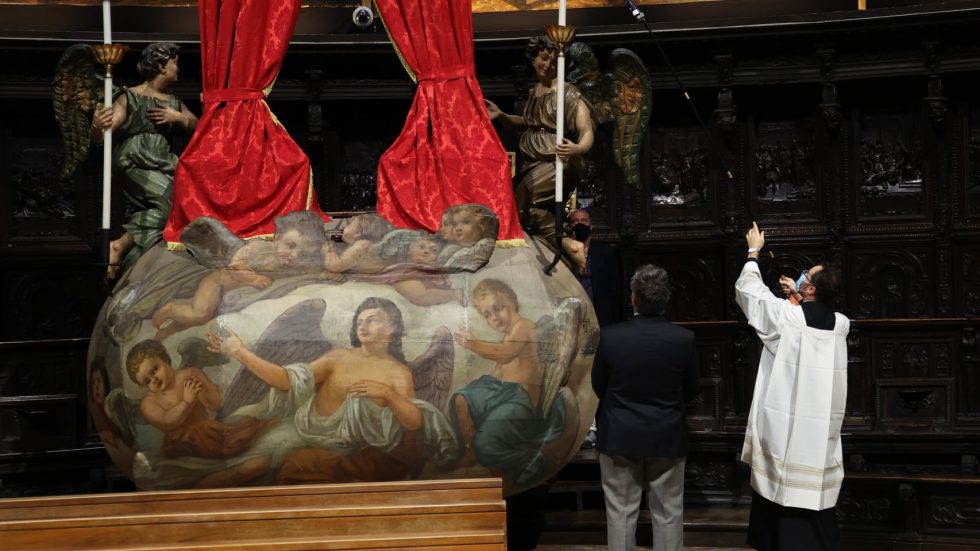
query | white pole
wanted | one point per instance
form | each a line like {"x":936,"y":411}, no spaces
{"x":560,"y":115}
{"x":107,"y":135}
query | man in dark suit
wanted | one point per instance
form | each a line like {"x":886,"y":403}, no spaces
{"x":644,"y":372}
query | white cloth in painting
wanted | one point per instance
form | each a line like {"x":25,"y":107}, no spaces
{"x":792,"y":437}
{"x":358,"y":422}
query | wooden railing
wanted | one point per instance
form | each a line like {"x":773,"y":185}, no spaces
{"x":451,"y":514}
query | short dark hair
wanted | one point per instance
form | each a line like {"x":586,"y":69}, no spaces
{"x":538,"y":43}
{"x":828,"y":283}
{"x":394,"y":317}
{"x":155,"y":57}
{"x":651,"y":287}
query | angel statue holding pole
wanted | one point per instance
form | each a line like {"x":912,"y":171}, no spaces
{"x":147,"y":118}
{"x":535,"y":184}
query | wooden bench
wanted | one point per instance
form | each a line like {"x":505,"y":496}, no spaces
{"x":434,"y":515}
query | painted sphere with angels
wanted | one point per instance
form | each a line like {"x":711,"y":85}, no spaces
{"x":343,"y":352}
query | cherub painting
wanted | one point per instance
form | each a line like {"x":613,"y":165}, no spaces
{"x":264,"y":371}
{"x":469,"y":232}
{"x":177,"y":403}
{"x":118,"y":439}
{"x":416,"y":273}
{"x":355,"y":408}
{"x":235,"y":267}
{"x":507,"y":417}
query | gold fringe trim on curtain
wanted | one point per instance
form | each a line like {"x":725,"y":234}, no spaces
{"x":512,"y":243}
{"x":401,"y":58}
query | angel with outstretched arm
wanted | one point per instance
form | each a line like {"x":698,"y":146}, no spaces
{"x":535,"y":182}
{"x":340,"y":400}
{"x":500,"y":417}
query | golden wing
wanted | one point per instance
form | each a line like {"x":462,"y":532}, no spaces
{"x":75,"y":91}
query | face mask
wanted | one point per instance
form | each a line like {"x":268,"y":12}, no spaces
{"x":801,"y":279}
{"x":581,"y":231}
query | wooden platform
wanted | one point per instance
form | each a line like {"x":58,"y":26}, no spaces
{"x":467,"y":515}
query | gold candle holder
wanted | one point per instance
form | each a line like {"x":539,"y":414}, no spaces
{"x":109,"y":55}
{"x":562,"y":35}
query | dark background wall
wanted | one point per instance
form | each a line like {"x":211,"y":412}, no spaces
{"x":852,"y":137}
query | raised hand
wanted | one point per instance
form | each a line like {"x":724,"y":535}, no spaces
{"x":787,"y":285}
{"x":461,"y":336}
{"x":754,"y":238}
{"x":228,"y":344}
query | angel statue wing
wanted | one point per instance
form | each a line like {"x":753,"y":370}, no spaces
{"x":75,"y":92}
{"x":295,"y":336}
{"x":621,"y":97}
{"x":432,"y":370}
{"x":630,"y":89}
{"x":557,"y":346}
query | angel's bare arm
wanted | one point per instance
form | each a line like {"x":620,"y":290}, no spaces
{"x":348,"y":259}
{"x":508,"y":121}
{"x":231,"y":345}
{"x":513,"y":345}
{"x":586,"y":134}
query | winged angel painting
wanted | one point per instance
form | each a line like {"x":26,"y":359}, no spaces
{"x":342,"y":353}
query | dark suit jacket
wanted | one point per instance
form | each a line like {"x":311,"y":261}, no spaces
{"x":644,"y":372}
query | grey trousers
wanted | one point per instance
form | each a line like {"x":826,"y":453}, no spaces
{"x":623,"y":482}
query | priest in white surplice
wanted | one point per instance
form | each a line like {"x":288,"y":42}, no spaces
{"x":792,"y":438}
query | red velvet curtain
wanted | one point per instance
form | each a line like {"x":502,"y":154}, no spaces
{"x":241,"y":166}
{"x":448,"y":152}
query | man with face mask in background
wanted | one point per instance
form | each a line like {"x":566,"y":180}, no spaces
{"x":598,"y":269}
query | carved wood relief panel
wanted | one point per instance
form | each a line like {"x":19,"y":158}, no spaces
{"x":785,"y":171}
{"x":953,"y":513}
{"x":889,"y":283}
{"x":694,"y":277}
{"x":682,"y":184}
{"x":890,"y":172}
{"x":971,"y":176}
{"x":907,"y":405}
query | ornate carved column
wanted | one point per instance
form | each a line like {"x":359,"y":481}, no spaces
{"x":936,"y":110}
{"x":835,"y":198}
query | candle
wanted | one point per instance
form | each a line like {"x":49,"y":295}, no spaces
{"x":560,"y":115}
{"x":107,"y":135}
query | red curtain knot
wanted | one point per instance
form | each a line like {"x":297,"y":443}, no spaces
{"x":231,"y":94}
{"x":448,"y":73}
